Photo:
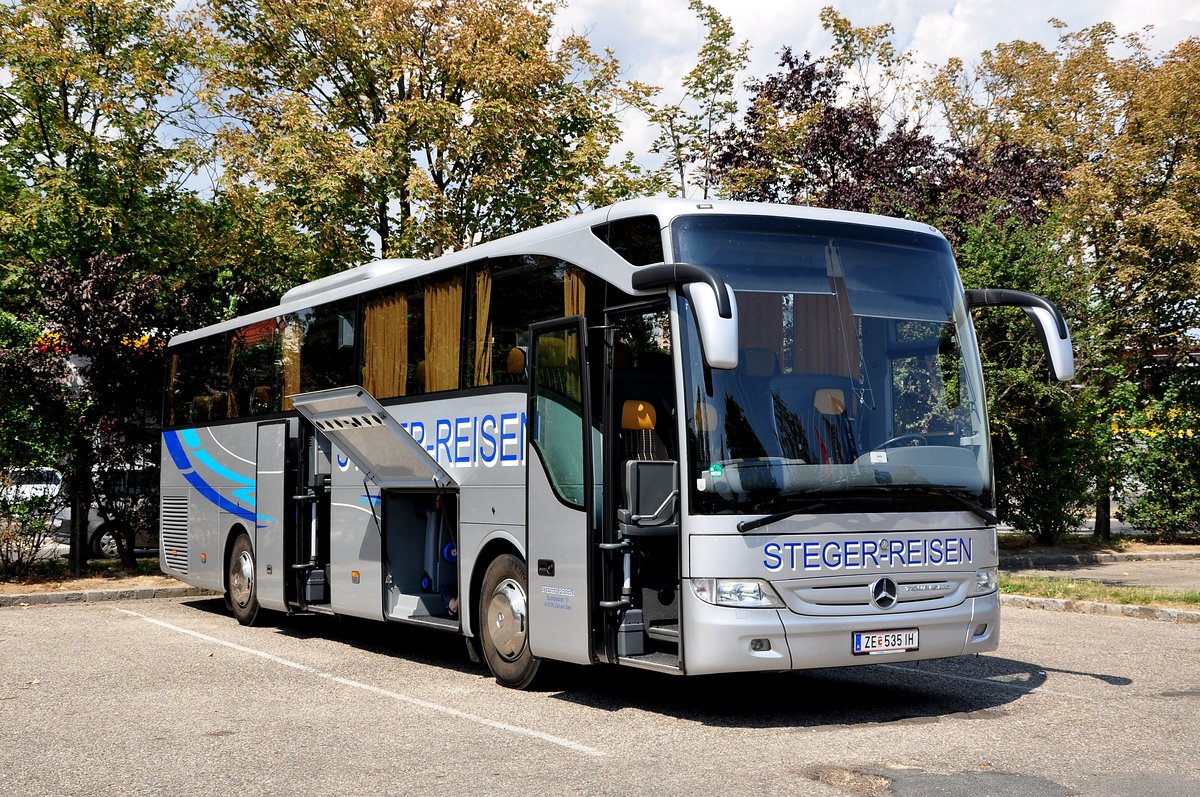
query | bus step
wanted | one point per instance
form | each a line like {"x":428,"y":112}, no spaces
{"x":661,"y":662}
{"x":667,"y":631}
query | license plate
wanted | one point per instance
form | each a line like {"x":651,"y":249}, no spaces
{"x":866,"y":643}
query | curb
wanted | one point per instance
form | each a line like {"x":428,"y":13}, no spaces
{"x":1051,"y":560}
{"x":1108,"y":609}
{"x":94,"y":595}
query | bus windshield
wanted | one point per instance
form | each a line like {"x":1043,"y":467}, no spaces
{"x":858,"y":379}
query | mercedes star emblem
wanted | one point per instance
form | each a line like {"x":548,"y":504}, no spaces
{"x":883,"y":593}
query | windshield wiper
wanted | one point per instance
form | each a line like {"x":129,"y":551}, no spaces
{"x":953,"y":497}
{"x":766,"y":520}
{"x":854,"y":495}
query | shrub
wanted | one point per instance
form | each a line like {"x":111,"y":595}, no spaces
{"x":1161,"y":460}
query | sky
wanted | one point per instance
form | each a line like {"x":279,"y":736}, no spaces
{"x":656,"y":40}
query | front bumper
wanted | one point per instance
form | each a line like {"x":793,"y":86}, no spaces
{"x":725,"y":639}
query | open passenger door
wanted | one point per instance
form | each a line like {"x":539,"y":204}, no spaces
{"x":561,"y":496}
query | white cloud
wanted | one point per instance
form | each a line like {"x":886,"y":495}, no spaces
{"x":656,"y":42}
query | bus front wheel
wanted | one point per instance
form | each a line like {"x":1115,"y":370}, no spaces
{"x":504,"y":622}
{"x":242,"y":585}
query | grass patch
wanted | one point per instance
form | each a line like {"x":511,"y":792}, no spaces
{"x":59,"y":569}
{"x":1079,"y":590}
{"x":1071,"y":543}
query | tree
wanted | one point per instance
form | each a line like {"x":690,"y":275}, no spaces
{"x":95,"y":215}
{"x":1039,"y":427}
{"x":113,"y":415}
{"x":799,"y":144}
{"x":1124,"y":124}
{"x":425,"y":125}
{"x":690,"y":130}
{"x":1164,"y":448}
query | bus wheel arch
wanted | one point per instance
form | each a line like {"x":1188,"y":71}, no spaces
{"x":241,"y":579}
{"x":502,"y":618}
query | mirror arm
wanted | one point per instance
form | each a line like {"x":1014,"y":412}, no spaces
{"x":666,"y":274}
{"x":1002,"y":297}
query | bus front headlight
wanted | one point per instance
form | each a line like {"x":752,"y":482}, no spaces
{"x":748,"y":593}
{"x":986,"y":580}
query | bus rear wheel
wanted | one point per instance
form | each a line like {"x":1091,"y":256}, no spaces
{"x":504,"y":622}
{"x":242,"y":583}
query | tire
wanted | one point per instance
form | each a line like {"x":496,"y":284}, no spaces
{"x":242,"y":582}
{"x":504,"y":622}
{"x":104,"y":542}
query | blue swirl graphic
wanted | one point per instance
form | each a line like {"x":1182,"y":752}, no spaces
{"x":178,"y":445}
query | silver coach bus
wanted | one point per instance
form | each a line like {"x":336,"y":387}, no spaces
{"x":689,"y":437}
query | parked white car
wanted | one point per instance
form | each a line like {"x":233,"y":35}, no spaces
{"x":24,"y":484}
{"x":136,"y":486}
{"x":101,"y":533}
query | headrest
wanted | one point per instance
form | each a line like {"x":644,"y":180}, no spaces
{"x":638,"y":415}
{"x":830,"y":401}
{"x":516,"y":361}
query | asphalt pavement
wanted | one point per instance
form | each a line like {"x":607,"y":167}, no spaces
{"x":173,"y":697}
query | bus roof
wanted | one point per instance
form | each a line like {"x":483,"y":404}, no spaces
{"x":569,"y":239}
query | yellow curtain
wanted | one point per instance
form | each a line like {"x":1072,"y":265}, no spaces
{"x":231,"y":407}
{"x":443,"y":334}
{"x":574,"y":292}
{"x":385,"y":365}
{"x":292,"y":334}
{"x":173,"y":397}
{"x":483,"y":327}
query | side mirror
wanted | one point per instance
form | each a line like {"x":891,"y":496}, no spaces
{"x":718,"y":334}
{"x":712,"y":300}
{"x":1056,"y":338}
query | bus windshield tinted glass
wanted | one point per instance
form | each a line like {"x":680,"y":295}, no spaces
{"x":858,"y":372}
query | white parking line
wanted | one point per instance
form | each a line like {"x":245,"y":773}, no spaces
{"x":402,"y":698}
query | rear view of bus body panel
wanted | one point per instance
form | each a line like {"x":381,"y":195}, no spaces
{"x":827,"y":577}
{"x":208,"y":490}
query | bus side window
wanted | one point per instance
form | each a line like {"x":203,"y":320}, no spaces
{"x":508,"y":295}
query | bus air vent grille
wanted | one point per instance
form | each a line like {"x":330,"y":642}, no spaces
{"x":344,"y":422}
{"x":175,"y":532}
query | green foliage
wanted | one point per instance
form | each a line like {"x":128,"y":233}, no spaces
{"x":1082,"y":590}
{"x":426,"y":126}
{"x":1160,"y":459}
{"x":33,"y":396}
{"x":1041,"y":431}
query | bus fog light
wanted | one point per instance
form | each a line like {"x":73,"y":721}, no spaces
{"x":986,"y":580}
{"x":760,"y":645}
{"x":750,"y":593}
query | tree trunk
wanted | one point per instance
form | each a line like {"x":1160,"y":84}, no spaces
{"x":383,"y":228}
{"x":1103,"y":512}
{"x":81,"y":504}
